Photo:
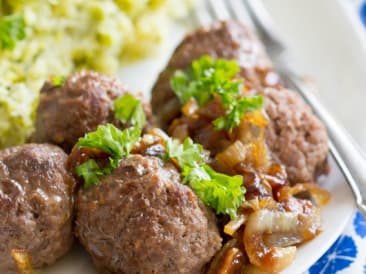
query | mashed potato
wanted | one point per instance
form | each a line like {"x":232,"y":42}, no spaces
{"x":64,"y":35}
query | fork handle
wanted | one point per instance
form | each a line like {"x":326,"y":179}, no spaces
{"x":347,"y":154}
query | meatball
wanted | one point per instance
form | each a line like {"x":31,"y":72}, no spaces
{"x":35,"y":204}
{"x":66,"y":112}
{"x":229,"y":40}
{"x":295,"y":136}
{"x":141,"y":219}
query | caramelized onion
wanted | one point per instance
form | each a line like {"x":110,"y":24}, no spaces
{"x":231,"y":227}
{"x":232,"y":155}
{"x":190,"y":108}
{"x":263,"y":203}
{"x":269,"y":257}
{"x":256,"y":118}
{"x":180,"y":132}
{"x":22,"y":261}
{"x":252,"y":269}
{"x":319,"y":195}
{"x":229,"y":260}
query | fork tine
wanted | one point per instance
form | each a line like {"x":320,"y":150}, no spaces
{"x":220,"y":9}
{"x":202,"y":13}
{"x":264,"y":26}
{"x":240,"y":13}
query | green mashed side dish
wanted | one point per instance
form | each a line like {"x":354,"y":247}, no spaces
{"x":41,"y":38}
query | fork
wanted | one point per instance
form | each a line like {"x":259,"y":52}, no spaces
{"x":345,"y":151}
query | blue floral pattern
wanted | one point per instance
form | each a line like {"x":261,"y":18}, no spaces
{"x":339,"y":256}
{"x":359,"y":224}
{"x":363,"y":13}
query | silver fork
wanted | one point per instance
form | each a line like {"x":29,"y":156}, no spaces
{"x":345,"y":151}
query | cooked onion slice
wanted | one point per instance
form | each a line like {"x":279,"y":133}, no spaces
{"x":320,"y":195}
{"x":232,"y":155}
{"x":272,"y":258}
{"x":23,"y":261}
{"x":190,"y":108}
{"x":251,"y":269}
{"x":231,"y":227}
{"x":257,"y":118}
{"x":230,"y":259}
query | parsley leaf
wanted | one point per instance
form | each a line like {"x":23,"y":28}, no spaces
{"x":12,"y":29}
{"x":108,"y":138}
{"x":118,"y":144}
{"x":207,"y":77}
{"x":186,"y":153}
{"x":222,"y":192}
{"x":204,"y":78}
{"x":129,"y":109}
{"x":90,"y":172}
{"x":238,"y":108}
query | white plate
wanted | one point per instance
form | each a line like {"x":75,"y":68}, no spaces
{"x":309,"y":44}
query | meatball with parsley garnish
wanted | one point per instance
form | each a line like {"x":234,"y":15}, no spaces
{"x":146,"y":205}
{"x":294,"y":135}
{"x":36,"y":205}
{"x":70,"y":107}
{"x":218,"y":110}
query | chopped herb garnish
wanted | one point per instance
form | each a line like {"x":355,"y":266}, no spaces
{"x":238,"y":108}
{"x":90,"y":172}
{"x":186,"y":153}
{"x":58,"y":81}
{"x":111,"y":140}
{"x":12,"y":30}
{"x":221,"y":192}
{"x":207,"y":77}
{"x":129,"y":109}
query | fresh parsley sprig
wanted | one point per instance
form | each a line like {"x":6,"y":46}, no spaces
{"x":127,"y":108}
{"x":217,"y":190}
{"x":207,"y":77}
{"x":236,"y":112}
{"x":111,"y":140}
{"x":221,"y":192}
{"x":186,"y":154}
{"x":12,"y":30}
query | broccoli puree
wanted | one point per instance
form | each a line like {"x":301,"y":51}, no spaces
{"x":65,"y":35}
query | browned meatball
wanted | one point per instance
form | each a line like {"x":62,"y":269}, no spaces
{"x":65,"y":113}
{"x":141,"y":219}
{"x":35,"y":204}
{"x":295,"y":136}
{"x":229,"y":40}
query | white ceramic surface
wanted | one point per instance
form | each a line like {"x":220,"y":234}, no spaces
{"x":327,"y":49}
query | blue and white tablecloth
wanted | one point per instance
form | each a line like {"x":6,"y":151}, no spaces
{"x":362,"y":11}
{"x":348,"y":254}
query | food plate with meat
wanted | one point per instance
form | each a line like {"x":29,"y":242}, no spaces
{"x":225,"y":171}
